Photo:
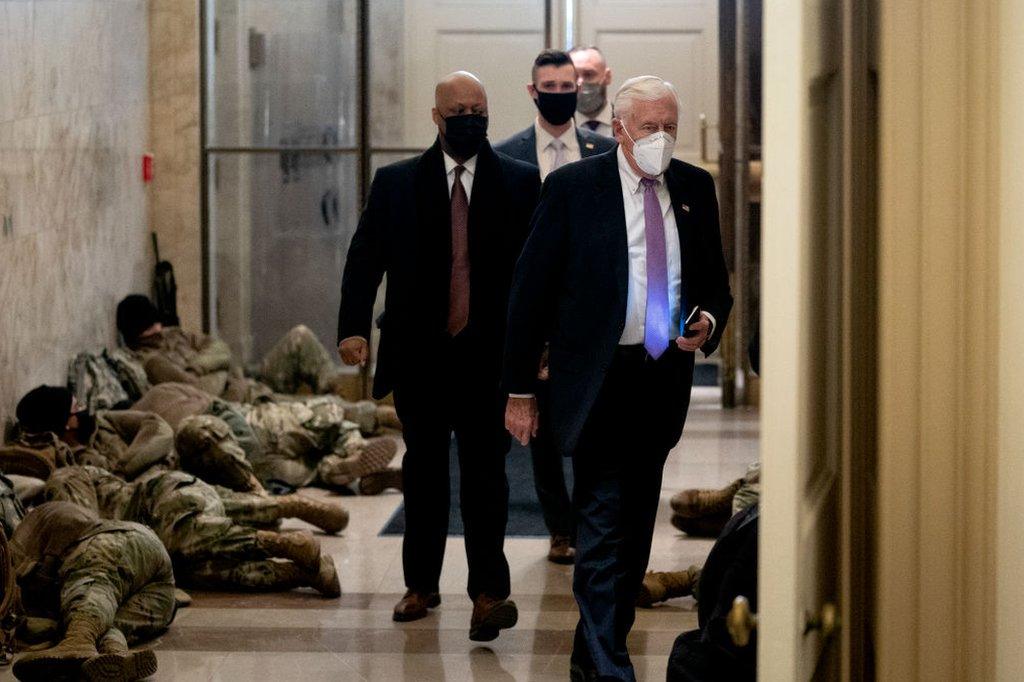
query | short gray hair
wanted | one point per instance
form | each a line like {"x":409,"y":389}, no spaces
{"x":643,"y":88}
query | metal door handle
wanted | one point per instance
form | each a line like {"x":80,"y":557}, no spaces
{"x":741,"y":622}
{"x":826,"y":623}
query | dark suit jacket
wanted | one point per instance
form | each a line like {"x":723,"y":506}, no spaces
{"x":405,"y":233}
{"x":523,"y":145}
{"x":571,"y":282}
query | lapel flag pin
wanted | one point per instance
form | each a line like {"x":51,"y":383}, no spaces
{"x":684,"y":207}
{"x":590,"y":145}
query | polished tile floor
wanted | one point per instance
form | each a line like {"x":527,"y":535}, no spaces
{"x":298,"y":636}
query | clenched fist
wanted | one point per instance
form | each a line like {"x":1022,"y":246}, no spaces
{"x":354,"y":351}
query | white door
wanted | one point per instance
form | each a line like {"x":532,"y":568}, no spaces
{"x":676,"y":40}
{"x":818,"y":327}
{"x":496,"y":40}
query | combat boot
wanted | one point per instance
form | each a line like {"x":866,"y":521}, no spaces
{"x":376,"y":483}
{"x":701,"y":526}
{"x":364,"y":458}
{"x":694,"y":503}
{"x":387,"y":418}
{"x":299,"y":546}
{"x":64,"y":661}
{"x":659,"y":587}
{"x":326,"y":580}
{"x":330,"y":518}
{"x":116,"y":663}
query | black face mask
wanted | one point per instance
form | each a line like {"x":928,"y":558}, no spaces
{"x":556,"y":107}
{"x":465,"y":133}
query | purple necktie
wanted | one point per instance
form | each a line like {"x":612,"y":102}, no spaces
{"x":656,"y":323}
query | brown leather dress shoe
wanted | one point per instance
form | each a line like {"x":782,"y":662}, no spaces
{"x":491,"y":615}
{"x":415,"y":605}
{"x":562,"y":551}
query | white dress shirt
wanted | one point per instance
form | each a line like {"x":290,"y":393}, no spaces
{"x":604,"y":121}
{"x":546,"y":149}
{"x":467,"y":175}
{"x":636,"y":296}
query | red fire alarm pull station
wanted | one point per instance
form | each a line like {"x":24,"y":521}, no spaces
{"x":147,"y":167}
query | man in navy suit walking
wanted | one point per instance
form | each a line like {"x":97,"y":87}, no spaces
{"x":624,"y":247}
{"x":551,"y":142}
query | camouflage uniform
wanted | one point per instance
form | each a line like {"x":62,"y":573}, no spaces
{"x":299,"y":363}
{"x":200,"y":525}
{"x":113,"y":572}
{"x":306,"y":440}
{"x":749,"y":491}
{"x":10,"y":507}
{"x":128,"y":442}
{"x":110,"y":582}
{"x":176,"y":355}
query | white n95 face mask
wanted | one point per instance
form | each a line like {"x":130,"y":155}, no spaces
{"x":653,"y":153}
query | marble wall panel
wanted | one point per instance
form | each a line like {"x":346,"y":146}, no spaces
{"x":74,"y":121}
{"x":174,"y":208}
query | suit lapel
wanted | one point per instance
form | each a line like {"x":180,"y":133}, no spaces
{"x":432,"y":228}
{"x":608,"y":199}
{"x":529,"y":142}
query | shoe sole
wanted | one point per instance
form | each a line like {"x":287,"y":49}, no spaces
{"x":57,"y":667}
{"x":369,"y":461}
{"x":503,"y":616}
{"x":137,"y":665}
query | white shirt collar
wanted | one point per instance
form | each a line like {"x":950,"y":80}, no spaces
{"x":544,"y":138}
{"x":450,"y":164}
{"x":629,"y":176}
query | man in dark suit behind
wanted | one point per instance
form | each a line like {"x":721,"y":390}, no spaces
{"x":624,"y":246}
{"x":446,"y":227}
{"x":551,"y":142}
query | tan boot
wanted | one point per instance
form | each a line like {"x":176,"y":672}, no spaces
{"x":115,"y":663}
{"x":65,"y":660}
{"x":387,"y":418}
{"x":376,"y":483}
{"x":361,"y":459}
{"x":330,"y":518}
{"x":659,"y":587}
{"x":326,"y":581}
{"x":694,"y":503}
{"x":299,"y":546}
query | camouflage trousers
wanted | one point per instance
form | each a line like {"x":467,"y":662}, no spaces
{"x":122,"y":579}
{"x":302,"y":440}
{"x":298,"y":363}
{"x":750,"y":490}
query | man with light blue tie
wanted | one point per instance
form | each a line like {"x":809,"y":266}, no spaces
{"x":625,"y":247}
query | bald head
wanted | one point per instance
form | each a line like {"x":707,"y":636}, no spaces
{"x":460,"y":93}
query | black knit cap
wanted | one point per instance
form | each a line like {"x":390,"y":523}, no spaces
{"x":135,"y":314}
{"x":44,"y":408}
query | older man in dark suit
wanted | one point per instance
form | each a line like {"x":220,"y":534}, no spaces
{"x":625,"y":248}
{"x":446,"y":228}
{"x":551,"y":142}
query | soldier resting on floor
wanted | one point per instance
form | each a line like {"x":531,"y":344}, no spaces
{"x":298,"y":364}
{"x":209,"y":532}
{"x":294,"y":443}
{"x":124,"y":442}
{"x":108,"y":582}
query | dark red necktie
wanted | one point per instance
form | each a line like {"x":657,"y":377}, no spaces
{"x":592,"y":124}
{"x":458,"y":289}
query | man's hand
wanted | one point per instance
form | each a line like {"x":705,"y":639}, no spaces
{"x":693,"y":343}
{"x":521,"y":418}
{"x":542,"y":373}
{"x":354,"y":351}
